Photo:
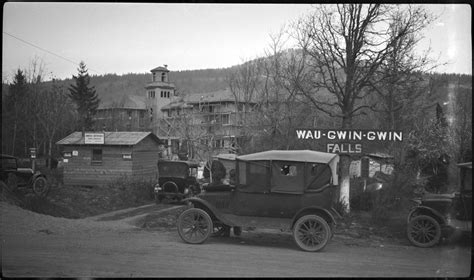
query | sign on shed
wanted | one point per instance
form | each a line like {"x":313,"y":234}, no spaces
{"x":94,"y":138}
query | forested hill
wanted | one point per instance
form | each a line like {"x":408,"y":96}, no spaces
{"x":112,"y":87}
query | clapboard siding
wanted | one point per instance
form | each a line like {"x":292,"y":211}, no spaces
{"x":145,"y":158}
{"x":79,"y":169}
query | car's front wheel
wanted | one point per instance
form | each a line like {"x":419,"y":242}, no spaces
{"x":40,"y":186}
{"x":423,"y":231}
{"x":194,"y":226}
{"x":311,"y":233}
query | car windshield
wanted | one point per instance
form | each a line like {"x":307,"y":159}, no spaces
{"x":171,"y":169}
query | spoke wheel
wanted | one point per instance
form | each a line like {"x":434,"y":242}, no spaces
{"x":40,"y":186}
{"x":423,"y":231}
{"x":311,"y":233}
{"x":194,"y":226}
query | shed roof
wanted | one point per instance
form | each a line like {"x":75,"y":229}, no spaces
{"x":296,"y":155}
{"x":120,"y":138}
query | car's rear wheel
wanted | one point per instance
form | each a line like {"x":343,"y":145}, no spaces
{"x":311,"y":233}
{"x":40,"y":186}
{"x":194,"y":226}
{"x":423,"y":231}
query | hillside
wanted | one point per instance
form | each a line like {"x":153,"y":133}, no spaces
{"x":113,"y":87}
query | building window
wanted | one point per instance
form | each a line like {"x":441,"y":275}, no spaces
{"x":163,"y":77}
{"x":154,"y":77}
{"x":151,"y":94}
{"x":218,"y":143}
{"x":96,"y":157}
{"x":129,"y":112}
{"x":226,"y":119}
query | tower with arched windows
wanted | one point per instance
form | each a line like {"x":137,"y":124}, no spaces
{"x":159,"y":93}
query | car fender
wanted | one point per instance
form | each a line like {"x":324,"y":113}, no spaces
{"x":427,"y":211}
{"x":315,"y":210}
{"x":211,"y":210}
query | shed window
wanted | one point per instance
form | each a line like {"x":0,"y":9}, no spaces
{"x":97,"y":156}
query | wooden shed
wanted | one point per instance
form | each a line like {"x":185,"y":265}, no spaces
{"x":94,"y":159}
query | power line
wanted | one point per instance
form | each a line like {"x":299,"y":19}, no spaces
{"x":52,"y":53}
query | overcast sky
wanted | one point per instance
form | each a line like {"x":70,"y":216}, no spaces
{"x":134,"y":38}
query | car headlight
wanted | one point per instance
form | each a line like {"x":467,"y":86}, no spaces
{"x":157,"y":188}
{"x":186,"y":191}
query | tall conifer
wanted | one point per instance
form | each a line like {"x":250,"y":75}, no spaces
{"x":85,"y":97}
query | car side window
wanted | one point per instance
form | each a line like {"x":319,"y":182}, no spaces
{"x":288,"y":170}
{"x":319,"y":175}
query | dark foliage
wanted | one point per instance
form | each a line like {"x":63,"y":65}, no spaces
{"x":84,"y":96}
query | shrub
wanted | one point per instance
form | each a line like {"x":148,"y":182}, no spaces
{"x":130,"y":191}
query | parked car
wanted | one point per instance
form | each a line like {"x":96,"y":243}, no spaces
{"x":13,"y":176}
{"x":176,"y":180}
{"x":438,"y":215}
{"x":287,"y":190}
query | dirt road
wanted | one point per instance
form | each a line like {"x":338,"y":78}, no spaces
{"x":35,"y":245}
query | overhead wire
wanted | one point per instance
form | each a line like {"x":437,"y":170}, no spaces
{"x":45,"y":50}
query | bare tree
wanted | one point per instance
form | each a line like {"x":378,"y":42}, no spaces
{"x":244,"y":82}
{"x":54,"y":111}
{"x":343,"y":48}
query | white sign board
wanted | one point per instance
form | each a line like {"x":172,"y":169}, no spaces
{"x":93,"y":138}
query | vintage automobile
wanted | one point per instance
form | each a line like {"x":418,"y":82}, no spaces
{"x":13,"y":176}
{"x":176,"y":180}
{"x":288,"y":190}
{"x":438,"y":215}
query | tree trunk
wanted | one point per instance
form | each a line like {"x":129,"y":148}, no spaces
{"x":345,"y":162}
{"x":14,"y":137}
{"x":49,"y":151}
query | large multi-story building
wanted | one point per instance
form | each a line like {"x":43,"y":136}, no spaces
{"x":128,"y":114}
{"x":198,"y":125}
{"x":205,"y":124}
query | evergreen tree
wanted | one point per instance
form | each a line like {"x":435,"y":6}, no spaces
{"x":13,"y":117}
{"x":85,"y":97}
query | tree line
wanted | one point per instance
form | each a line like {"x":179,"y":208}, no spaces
{"x":36,"y":114}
